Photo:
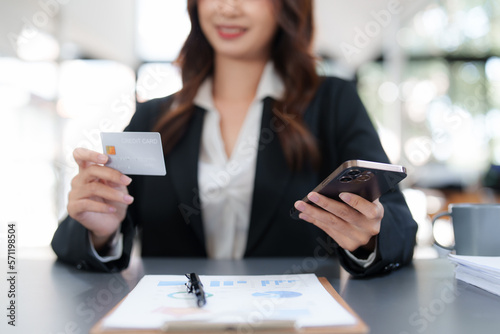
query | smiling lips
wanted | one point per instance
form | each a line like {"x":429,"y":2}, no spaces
{"x":230,"y":32}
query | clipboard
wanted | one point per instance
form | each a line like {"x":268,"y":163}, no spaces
{"x":359,"y":328}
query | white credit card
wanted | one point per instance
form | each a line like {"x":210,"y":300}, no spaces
{"x":134,"y":153}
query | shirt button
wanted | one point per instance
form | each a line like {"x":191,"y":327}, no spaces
{"x":389,"y":267}
{"x":81,"y":265}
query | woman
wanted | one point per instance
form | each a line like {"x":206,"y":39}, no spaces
{"x":252,"y":130}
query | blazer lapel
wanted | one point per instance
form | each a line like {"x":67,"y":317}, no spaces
{"x":182,"y":163}
{"x":271,"y":176}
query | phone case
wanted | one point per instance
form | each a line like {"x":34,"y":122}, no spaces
{"x":367,"y":179}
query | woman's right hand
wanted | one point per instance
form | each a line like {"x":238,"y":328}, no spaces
{"x":99,"y":197}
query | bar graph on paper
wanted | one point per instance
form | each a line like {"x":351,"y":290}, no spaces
{"x":262,"y":283}
{"x":216,"y":284}
{"x":236,"y":283}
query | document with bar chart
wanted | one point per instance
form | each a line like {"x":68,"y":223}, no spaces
{"x":238,"y":300}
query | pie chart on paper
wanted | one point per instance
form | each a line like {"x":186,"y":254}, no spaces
{"x":277,"y":294}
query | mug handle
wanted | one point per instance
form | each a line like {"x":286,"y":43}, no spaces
{"x":436,"y":217}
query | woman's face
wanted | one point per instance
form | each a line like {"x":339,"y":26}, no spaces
{"x":238,"y":29}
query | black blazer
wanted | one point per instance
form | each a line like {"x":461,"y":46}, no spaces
{"x":167,"y":213}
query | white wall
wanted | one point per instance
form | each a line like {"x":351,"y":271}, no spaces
{"x":100,"y":28}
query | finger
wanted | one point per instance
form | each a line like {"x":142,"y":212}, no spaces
{"x":76,"y":208}
{"x":321,"y":218}
{"x":85,"y":157}
{"x":371,"y":213}
{"x":339,"y":209}
{"x":371,"y":210}
{"x":106,"y":174}
{"x":347,"y":236}
{"x":100,"y":190}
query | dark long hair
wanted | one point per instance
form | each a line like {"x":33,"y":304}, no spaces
{"x":292,"y":58}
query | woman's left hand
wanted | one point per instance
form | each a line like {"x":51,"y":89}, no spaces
{"x":352,"y":224}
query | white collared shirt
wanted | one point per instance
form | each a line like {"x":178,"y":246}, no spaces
{"x":225,"y":183}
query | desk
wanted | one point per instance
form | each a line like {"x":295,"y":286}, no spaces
{"x":423,"y":298}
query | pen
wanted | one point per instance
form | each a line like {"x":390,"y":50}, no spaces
{"x":194,"y":285}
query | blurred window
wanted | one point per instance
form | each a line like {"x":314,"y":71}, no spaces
{"x":449,"y":88}
{"x":50,"y":107}
{"x":162,"y":28}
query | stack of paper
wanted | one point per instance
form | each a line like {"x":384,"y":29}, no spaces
{"x":481,"y":271}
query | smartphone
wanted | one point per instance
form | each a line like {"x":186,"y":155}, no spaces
{"x":367,"y":179}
